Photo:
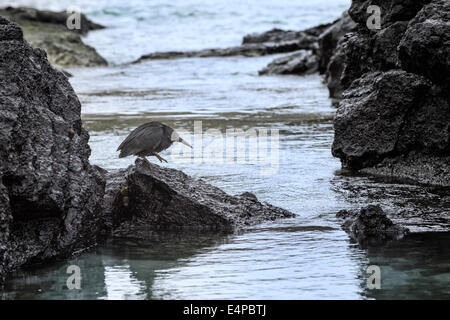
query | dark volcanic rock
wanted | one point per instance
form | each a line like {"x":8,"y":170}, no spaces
{"x":247,"y":50}
{"x":391,"y":10}
{"x":349,"y":62}
{"x":329,"y":39}
{"x":356,"y":49}
{"x":53,"y":202}
{"x":50,"y":196}
{"x":303,"y":62}
{"x":388,"y":114}
{"x":147,"y":197}
{"x":278,"y":35}
{"x":370,"y":226}
{"x":5,"y":221}
{"x":425,"y":48}
{"x":257,"y":44}
{"x":394,"y":120}
{"x":45,"y":16}
{"x":48,"y":30}
{"x":416,"y":167}
{"x":360,"y":52}
{"x":384,"y":54}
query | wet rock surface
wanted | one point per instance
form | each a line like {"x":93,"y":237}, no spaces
{"x":50,"y":195}
{"x":420,"y":208}
{"x":330,"y":37}
{"x":253,"y":45}
{"x":279,"y":35}
{"x":394,"y":119}
{"x":247,"y":50}
{"x":303,"y":62}
{"x":326,"y":56}
{"x":425,"y":47}
{"x":48,"y":30}
{"x":53,"y":203}
{"x":370,"y":226}
{"x":392,"y":11}
{"x":146,"y":197}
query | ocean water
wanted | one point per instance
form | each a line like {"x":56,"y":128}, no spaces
{"x":306,"y":257}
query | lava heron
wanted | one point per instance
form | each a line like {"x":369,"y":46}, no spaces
{"x":149,"y":139}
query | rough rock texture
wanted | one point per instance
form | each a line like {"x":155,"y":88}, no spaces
{"x":48,"y":30}
{"x":330,"y":37}
{"x":247,"y":50}
{"x":425,"y":47}
{"x":278,"y":35}
{"x":361,"y":52}
{"x":256,"y":44}
{"x":146,"y":197}
{"x":53,"y":202}
{"x":374,"y":119}
{"x":324,"y":39}
{"x":50,"y":196}
{"x":394,"y":119}
{"x":391,"y":10}
{"x":303,"y":62}
{"x":370,"y":226}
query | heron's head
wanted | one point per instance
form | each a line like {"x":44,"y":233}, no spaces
{"x":176,"y":138}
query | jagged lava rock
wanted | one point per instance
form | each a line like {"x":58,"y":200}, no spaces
{"x":369,"y":120}
{"x":50,"y":195}
{"x":302,"y":62}
{"x":279,"y":35}
{"x":360,"y":52}
{"x":147,"y":197}
{"x":246,"y":50}
{"x":48,"y":30}
{"x":330,"y":37}
{"x":425,"y":47}
{"x":391,"y":10}
{"x":370,"y":226}
{"x":46,"y":16}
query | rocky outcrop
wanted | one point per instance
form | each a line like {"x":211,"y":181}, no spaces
{"x":302,"y":62}
{"x":370,"y":226}
{"x":53,"y":203}
{"x":425,"y":46}
{"x":391,"y":11}
{"x":50,"y":195}
{"x":279,"y":35}
{"x":147,"y":197}
{"x":246,"y":50}
{"x":394,"y":119}
{"x":323,"y":57}
{"x":253,"y":45}
{"x":330,"y":37}
{"x":48,"y":30}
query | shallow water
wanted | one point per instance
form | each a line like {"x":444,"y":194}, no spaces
{"x":306,"y":257}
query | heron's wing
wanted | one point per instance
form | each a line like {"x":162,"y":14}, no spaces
{"x":144,"y":138}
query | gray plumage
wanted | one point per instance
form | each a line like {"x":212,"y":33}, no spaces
{"x":149,"y":139}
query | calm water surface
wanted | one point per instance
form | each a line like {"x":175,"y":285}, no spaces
{"x":307,"y":257}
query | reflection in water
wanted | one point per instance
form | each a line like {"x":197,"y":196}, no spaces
{"x":417,"y":267}
{"x":121,"y":269}
{"x":308,"y":256}
{"x":121,"y":284}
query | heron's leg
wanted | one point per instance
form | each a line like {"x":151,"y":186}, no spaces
{"x":145,"y":160}
{"x":160,"y":158}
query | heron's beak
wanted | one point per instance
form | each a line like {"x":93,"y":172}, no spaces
{"x":185,"y":143}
